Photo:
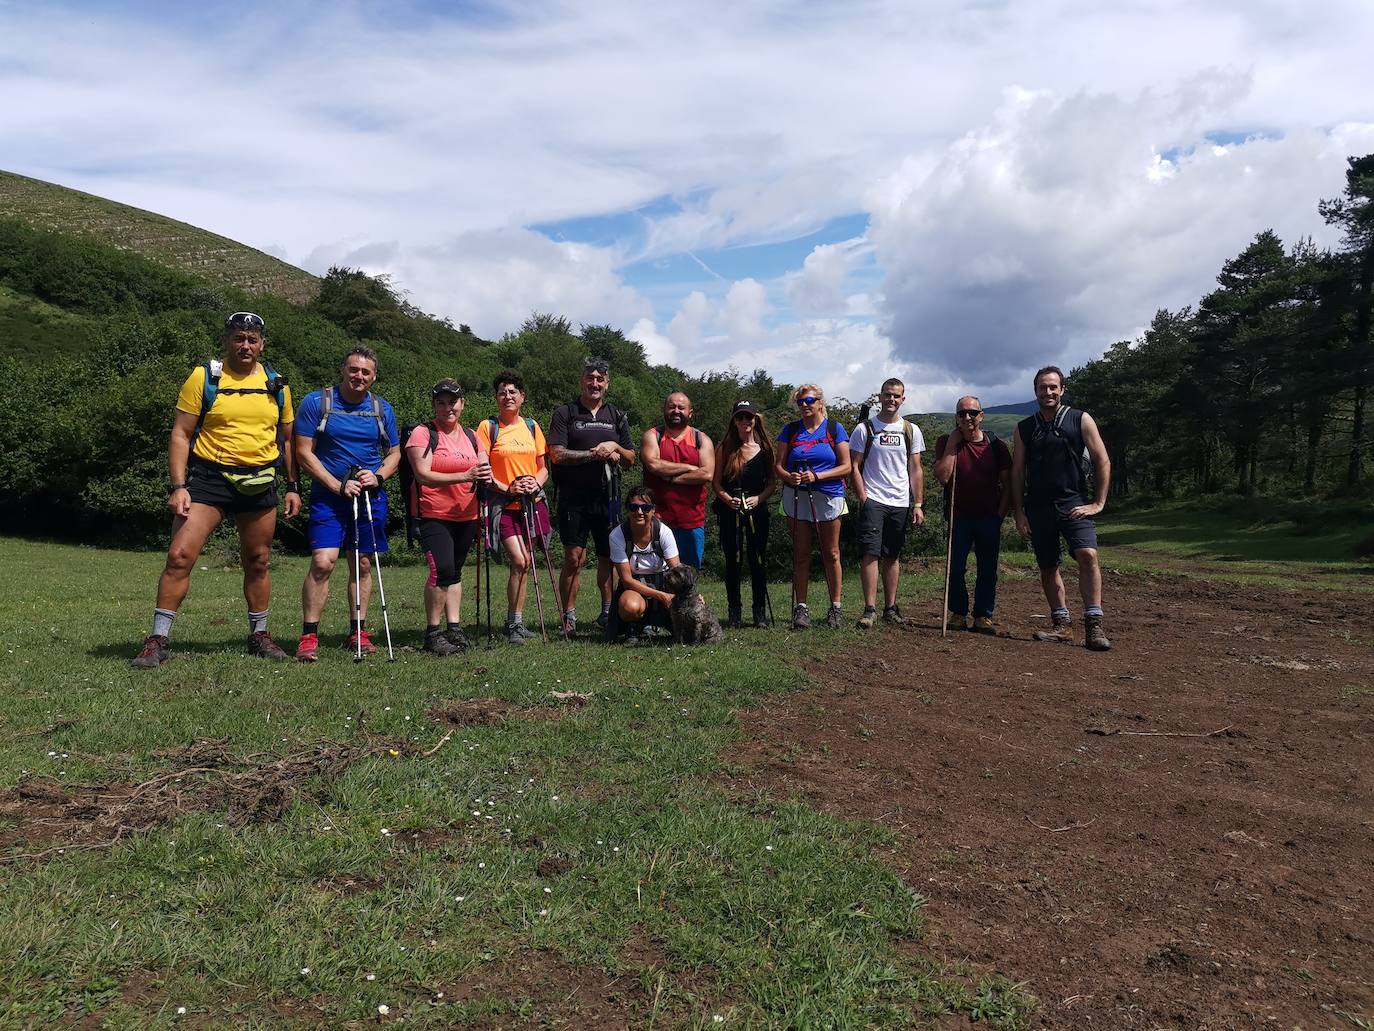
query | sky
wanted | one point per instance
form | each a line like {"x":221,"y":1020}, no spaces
{"x":955,"y":192}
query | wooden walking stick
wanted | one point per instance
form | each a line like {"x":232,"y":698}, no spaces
{"x":949,"y":547}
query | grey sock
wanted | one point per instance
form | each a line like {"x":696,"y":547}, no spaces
{"x":162,"y":622}
{"x":515,"y":618}
{"x":257,"y":621}
{"x":1059,"y":615}
{"x":1093,"y":610}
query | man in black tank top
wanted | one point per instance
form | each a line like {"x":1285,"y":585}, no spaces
{"x":1049,"y":497}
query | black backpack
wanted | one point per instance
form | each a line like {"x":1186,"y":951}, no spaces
{"x":790,"y":431}
{"x":410,"y":487}
{"x":655,"y":541}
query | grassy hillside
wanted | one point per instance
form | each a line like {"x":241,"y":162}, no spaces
{"x":173,"y":244}
{"x":935,"y":423}
{"x":33,"y":330}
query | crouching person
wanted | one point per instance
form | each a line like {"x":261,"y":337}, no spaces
{"x":642,"y":548}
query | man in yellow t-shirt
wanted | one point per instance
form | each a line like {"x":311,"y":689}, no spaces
{"x":519,"y":469}
{"x":222,"y":461}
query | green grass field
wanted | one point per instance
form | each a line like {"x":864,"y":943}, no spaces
{"x":1264,"y":541}
{"x":214,"y":258}
{"x":765,"y":913}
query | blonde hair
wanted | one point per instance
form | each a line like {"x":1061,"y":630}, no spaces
{"x":808,"y":388}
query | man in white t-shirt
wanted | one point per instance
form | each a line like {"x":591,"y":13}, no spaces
{"x":887,"y":477}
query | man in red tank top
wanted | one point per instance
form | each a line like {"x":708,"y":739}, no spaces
{"x":679,"y":461}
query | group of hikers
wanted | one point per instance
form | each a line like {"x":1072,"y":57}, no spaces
{"x":235,"y":429}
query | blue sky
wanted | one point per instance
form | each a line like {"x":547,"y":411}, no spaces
{"x":954,"y":192}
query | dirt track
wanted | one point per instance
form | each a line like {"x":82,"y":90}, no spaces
{"x":1130,"y":880}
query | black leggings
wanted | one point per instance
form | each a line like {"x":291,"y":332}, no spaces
{"x":446,"y":546}
{"x":732,"y":528}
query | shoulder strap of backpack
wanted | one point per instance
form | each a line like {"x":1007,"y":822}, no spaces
{"x":529,"y":425}
{"x":472,"y":439}
{"x":656,"y":539}
{"x":493,"y":430}
{"x":213,"y":368}
{"x":326,"y":408}
{"x":868,"y":441}
{"x":831,"y":437}
{"x":381,"y":422}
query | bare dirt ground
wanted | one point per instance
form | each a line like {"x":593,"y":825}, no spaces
{"x":1178,"y":833}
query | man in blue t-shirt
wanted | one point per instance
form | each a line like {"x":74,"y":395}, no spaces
{"x":347,"y":441}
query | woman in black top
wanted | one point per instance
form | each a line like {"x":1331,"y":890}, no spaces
{"x":743,"y":482}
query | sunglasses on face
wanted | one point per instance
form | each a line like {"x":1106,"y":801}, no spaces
{"x":744,"y":417}
{"x":970,"y":413}
{"x":635,"y":506}
{"x":806,"y":401}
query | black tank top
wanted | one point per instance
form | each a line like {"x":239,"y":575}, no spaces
{"x":1056,"y":461}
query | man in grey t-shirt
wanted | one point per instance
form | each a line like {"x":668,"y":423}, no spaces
{"x":887,"y":477}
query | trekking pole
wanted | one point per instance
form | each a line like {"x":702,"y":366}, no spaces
{"x":811,"y":497}
{"x":949,"y":552}
{"x":526,"y":511}
{"x":553,"y":581}
{"x":357,"y":580}
{"x":486,"y":560}
{"x":481,"y":550}
{"x":377,"y":568}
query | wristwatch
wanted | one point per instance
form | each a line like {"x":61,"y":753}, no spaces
{"x":293,"y":486}
{"x":172,"y":488}
{"x":918,"y":504}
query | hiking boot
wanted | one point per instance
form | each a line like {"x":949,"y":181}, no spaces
{"x":869,"y":617}
{"x":514,"y":633}
{"x":569,"y":626}
{"x":760,"y":618}
{"x":893,"y":615}
{"x":736,"y":619}
{"x":984,"y":625}
{"x":600,"y":621}
{"x":307,"y":648}
{"x":958,"y":621}
{"x":437,"y":643}
{"x":523,"y":630}
{"x":1061,"y":631}
{"x":801,"y":617}
{"x":262,"y":645}
{"x":351,"y":645}
{"x":153,"y":653}
{"x":833,"y":617}
{"x":456,"y":637}
{"x":1093,"y":637}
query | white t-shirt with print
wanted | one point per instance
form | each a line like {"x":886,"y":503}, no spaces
{"x":887,"y":478}
{"x":646,"y":562}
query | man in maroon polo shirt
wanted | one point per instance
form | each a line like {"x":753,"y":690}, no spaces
{"x":679,"y":461}
{"x":982,"y":497}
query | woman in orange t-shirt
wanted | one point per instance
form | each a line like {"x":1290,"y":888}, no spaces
{"x":449,"y":462}
{"x":519,"y":469}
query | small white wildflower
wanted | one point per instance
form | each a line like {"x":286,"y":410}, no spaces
{"x":615,"y":848}
{"x":481,"y":866}
{"x":717,"y":1019}
{"x":371,"y":977}
{"x":383,"y":1009}
{"x":181,"y":1011}
{"x":543,"y":912}
{"x":768,"y":848}
{"x":459,"y":898}
{"x":305,"y":970}
{"x":548,"y":891}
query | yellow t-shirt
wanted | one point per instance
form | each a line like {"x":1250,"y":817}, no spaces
{"x":516,"y":451}
{"x":239,"y":429}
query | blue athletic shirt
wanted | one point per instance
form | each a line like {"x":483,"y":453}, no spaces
{"x":811,"y":447}
{"x":350,"y":436}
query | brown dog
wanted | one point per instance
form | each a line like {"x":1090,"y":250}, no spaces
{"x":693,"y":622}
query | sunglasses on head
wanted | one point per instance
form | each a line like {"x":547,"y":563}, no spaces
{"x":639,"y":506}
{"x":801,"y":401}
{"x":970,"y":413}
{"x":244,"y":320}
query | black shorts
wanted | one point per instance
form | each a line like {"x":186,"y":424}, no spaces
{"x":882,"y":529}
{"x":1047,"y":526}
{"x":446,"y":545}
{"x":583,"y":514}
{"x":207,"y":486}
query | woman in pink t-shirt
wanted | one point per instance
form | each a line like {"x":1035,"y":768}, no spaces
{"x":449,"y":462}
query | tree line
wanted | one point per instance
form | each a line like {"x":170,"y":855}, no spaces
{"x":1262,"y":385}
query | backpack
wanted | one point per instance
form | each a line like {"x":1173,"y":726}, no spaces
{"x":790,"y":431}
{"x":327,"y":407}
{"x":214,"y":369}
{"x":655,"y":541}
{"x":696,"y":435}
{"x":410,"y":486}
{"x":494,"y":429}
{"x":1072,"y":439}
{"x":907,"y":432}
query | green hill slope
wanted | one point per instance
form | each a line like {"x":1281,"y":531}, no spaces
{"x":166,"y":241}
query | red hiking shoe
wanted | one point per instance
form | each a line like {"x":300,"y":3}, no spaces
{"x":351,"y":644}
{"x":307,"y":649}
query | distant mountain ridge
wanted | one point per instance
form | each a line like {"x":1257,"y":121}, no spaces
{"x":163,"y":240}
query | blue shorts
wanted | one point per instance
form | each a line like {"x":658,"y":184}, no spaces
{"x":691,"y":545}
{"x":331,"y":522}
{"x":1047,"y":527}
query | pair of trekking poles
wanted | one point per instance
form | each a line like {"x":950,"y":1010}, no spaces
{"x":744,"y":524}
{"x":529,"y":522}
{"x":358,"y":571}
